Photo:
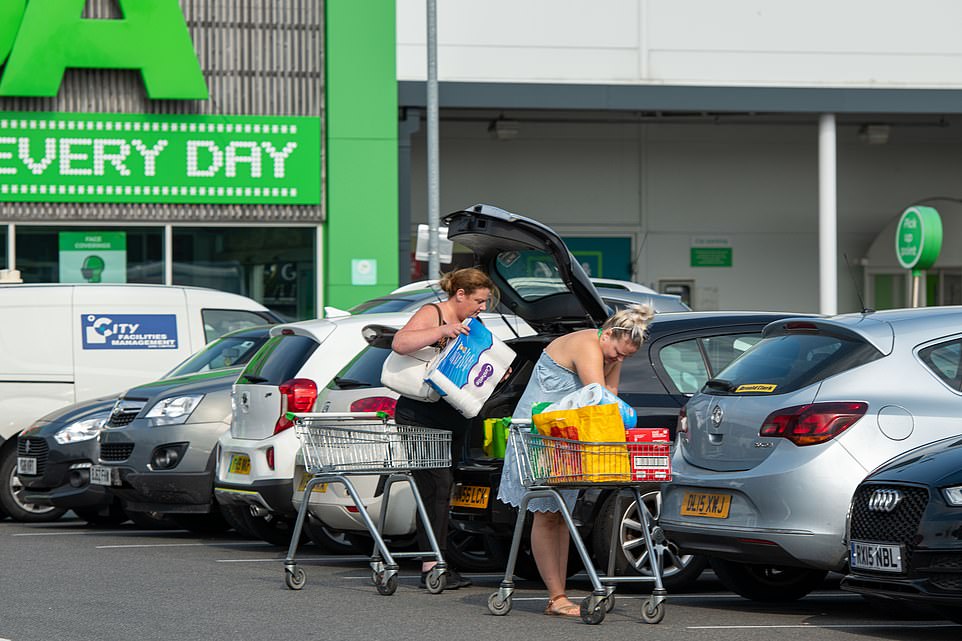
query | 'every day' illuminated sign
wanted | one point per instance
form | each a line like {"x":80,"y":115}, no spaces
{"x":58,"y":157}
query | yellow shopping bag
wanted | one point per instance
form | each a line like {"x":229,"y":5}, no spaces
{"x":591,"y":424}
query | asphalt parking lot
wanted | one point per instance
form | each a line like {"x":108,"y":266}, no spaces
{"x":67,"y":581}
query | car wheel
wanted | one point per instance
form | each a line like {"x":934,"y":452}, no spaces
{"x":768,"y":583}
{"x":105,"y":516}
{"x":11,"y":495}
{"x":232,"y":514}
{"x":270,"y":527}
{"x":152,"y":520}
{"x":334,"y":541}
{"x":212,"y":522}
{"x":476,"y":552}
{"x":678,"y":571}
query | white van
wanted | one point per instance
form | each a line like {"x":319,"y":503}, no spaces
{"x":62,"y":344}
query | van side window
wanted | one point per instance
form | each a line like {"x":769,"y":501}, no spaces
{"x":218,"y":322}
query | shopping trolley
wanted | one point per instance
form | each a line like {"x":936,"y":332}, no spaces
{"x":547,"y":464}
{"x":337,"y":446}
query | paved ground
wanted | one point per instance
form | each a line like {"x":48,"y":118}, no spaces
{"x":65,"y":581}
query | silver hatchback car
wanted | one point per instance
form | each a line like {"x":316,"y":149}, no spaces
{"x":771,"y":450}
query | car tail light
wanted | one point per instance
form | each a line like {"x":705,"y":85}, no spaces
{"x":812,"y":424}
{"x":375,"y":404}
{"x":270,"y":457}
{"x":682,"y":422}
{"x":297,"y":395}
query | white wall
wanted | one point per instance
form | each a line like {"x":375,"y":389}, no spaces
{"x":850,"y":43}
{"x":755,"y":185}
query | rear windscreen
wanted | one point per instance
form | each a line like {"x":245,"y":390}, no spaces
{"x":279,"y":360}
{"x":786,"y":363}
{"x":363,"y":371}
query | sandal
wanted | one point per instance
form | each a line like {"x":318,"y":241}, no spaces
{"x":570,"y":610}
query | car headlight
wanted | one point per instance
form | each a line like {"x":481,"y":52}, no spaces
{"x":953,"y":495}
{"x":81,"y":430}
{"x":173,"y":411}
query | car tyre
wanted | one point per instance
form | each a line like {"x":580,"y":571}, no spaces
{"x":271,"y":527}
{"x":335,"y":541}
{"x":679,"y":571}
{"x":767,"y":583}
{"x":475,"y":552}
{"x":11,"y":494}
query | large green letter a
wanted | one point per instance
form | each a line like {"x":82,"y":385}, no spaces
{"x":151,"y":37}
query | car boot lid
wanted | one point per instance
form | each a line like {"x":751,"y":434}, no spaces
{"x":543,"y":298}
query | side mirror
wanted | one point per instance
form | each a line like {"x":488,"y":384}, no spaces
{"x":378,"y":335}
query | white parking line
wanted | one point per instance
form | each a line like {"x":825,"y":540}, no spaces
{"x":151,"y":545}
{"x":96,"y":532}
{"x":920,"y":625}
{"x":300,"y":558}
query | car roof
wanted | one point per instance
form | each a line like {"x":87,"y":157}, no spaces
{"x":321,"y":328}
{"x":674,"y":322}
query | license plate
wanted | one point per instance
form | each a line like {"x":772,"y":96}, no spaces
{"x":714,"y":506}
{"x":320,"y":487}
{"x":471,"y":496}
{"x":99,"y":475}
{"x":26,"y":465}
{"x":239,"y":464}
{"x":876,"y":556}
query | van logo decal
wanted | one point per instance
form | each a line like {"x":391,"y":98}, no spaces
{"x":129,"y":331}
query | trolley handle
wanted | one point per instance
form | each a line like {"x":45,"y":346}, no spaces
{"x":338,"y":416}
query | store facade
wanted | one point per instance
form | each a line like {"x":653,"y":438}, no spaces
{"x":190,"y":142}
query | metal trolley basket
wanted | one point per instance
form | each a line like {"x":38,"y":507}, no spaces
{"x":547,"y":464}
{"x":336,"y":446}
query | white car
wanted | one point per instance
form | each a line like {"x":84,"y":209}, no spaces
{"x":610,"y":283}
{"x":255,"y":464}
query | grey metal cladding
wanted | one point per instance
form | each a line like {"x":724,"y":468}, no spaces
{"x":259,"y":58}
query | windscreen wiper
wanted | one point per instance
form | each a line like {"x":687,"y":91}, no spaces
{"x":349,"y":383}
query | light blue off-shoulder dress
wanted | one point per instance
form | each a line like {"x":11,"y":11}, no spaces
{"x":549,"y":382}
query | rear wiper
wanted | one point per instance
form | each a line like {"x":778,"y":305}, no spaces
{"x":251,"y":378}
{"x":719,"y":384}
{"x":349,"y":383}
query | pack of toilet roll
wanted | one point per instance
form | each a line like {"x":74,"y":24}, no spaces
{"x":470,"y":367}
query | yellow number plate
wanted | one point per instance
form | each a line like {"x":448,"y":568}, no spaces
{"x":714,"y":506}
{"x":471,"y":496}
{"x":320,"y":487}
{"x":240,"y":464}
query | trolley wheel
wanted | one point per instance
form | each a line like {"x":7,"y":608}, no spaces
{"x":497,"y":607}
{"x":376,"y":577}
{"x":653,"y":613}
{"x":388,"y":587}
{"x":435,"y":581}
{"x":592,"y":610}
{"x":295,"y":578}
{"x":609,"y":603}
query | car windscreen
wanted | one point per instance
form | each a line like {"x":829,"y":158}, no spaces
{"x":781,"y":364}
{"x":280,"y":359}
{"x":232,"y":351}
{"x":532,"y":274}
{"x":364,"y":371}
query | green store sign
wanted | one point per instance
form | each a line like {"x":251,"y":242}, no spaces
{"x":40,"y":39}
{"x":126,"y":158}
{"x":918,"y":238}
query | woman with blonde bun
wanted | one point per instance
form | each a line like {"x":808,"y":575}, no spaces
{"x":468,"y":292}
{"x":568,"y":363}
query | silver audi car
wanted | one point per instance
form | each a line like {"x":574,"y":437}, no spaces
{"x":770,"y":451}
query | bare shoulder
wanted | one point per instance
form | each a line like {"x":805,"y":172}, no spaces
{"x":567,"y":348}
{"x":425,"y":317}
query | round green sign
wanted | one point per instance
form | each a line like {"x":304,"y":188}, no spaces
{"x":918,"y":238}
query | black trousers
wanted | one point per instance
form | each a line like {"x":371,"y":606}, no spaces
{"x":434,"y":486}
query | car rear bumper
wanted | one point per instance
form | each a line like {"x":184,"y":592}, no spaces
{"x":273,"y":495}
{"x":783,"y":512}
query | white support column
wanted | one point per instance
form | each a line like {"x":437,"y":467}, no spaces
{"x":827,"y":217}
{"x":12,"y":246}
{"x":168,"y":254}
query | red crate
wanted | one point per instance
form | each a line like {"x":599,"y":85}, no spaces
{"x":650,"y":461}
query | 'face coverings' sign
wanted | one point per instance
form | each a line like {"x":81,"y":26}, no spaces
{"x":93,"y":257}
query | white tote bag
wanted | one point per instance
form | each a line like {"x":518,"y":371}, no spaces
{"x":405,"y":373}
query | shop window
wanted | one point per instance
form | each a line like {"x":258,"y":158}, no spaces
{"x":3,"y":247}
{"x":273,"y":265}
{"x":102,"y":254}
